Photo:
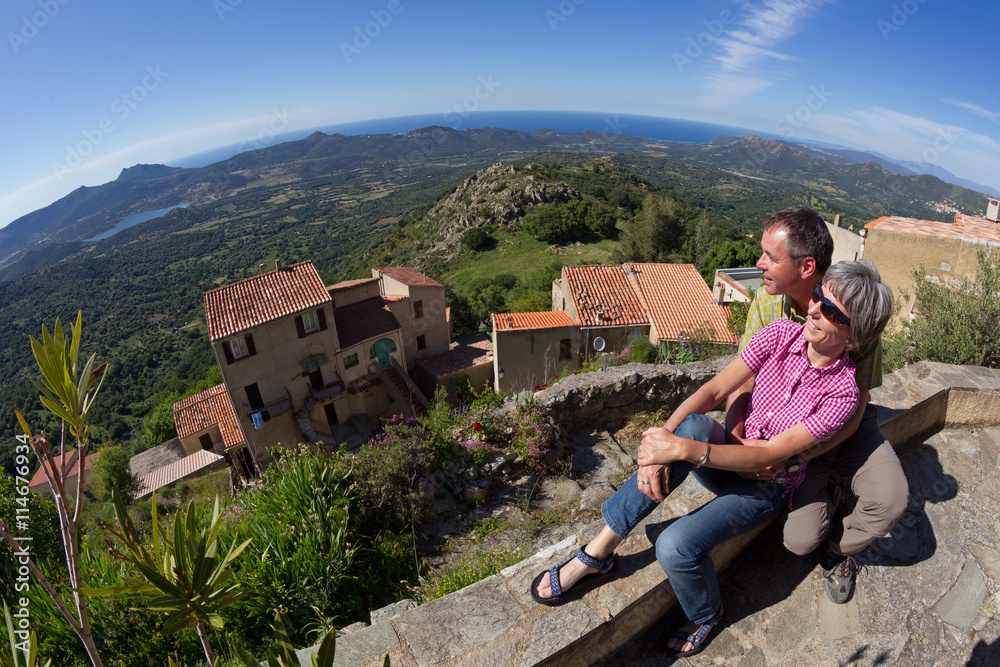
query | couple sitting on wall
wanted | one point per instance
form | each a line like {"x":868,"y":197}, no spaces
{"x":810,"y":354}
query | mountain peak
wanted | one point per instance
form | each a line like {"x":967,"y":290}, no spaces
{"x":146,"y":172}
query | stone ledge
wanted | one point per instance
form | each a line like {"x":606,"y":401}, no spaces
{"x":495,"y":621}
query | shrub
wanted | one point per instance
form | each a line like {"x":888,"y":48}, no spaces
{"x":959,"y":321}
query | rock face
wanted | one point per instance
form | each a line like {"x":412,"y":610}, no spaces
{"x":497,"y":195}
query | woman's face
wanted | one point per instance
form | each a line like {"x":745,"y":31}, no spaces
{"x":824,"y":335}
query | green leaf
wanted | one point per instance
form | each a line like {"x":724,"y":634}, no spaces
{"x":327,"y":649}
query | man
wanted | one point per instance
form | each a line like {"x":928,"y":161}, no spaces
{"x":796,"y":252}
{"x":797,"y":249}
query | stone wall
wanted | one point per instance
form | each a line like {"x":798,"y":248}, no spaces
{"x":495,"y":620}
{"x":609,"y":397}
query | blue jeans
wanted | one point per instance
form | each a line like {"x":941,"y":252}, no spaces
{"x":682,"y":549}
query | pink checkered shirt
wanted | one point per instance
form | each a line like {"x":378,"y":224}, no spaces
{"x":788,"y":391}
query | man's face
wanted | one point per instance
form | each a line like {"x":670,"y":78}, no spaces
{"x":780,"y":272}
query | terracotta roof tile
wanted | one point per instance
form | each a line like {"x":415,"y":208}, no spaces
{"x":38,"y":479}
{"x":538,"y":320}
{"x":363,"y":320}
{"x":473,"y":351}
{"x":348,"y":284}
{"x":679,"y":301}
{"x":965,"y":228}
{"x":175,"y":471}
{"x":254,"y":301}
{"x":604,"y":290}
{"x":210,"y":407}
{"x":408,"y":276}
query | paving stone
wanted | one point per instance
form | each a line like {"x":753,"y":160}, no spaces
{"x":558,"y":628}
{"x":753,"y":658}
{"x":988,"y":559}
{"x":447,"y":627}
{"x":360,"y":646}
{"x":837,"y":620}
{"x":392,"y":611}
{"x":961,"y":605}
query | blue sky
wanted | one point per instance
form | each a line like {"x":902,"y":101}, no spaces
{"x":91,"y":88}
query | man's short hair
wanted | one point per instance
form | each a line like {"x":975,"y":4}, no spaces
{"x":807,"y":235}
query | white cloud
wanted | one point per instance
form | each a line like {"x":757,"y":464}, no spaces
{"x":747,"y":57}
{"x":905,"y":137}
{"x":974,"y":108}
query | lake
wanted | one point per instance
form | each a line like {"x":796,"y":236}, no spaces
{"x":135,"y":219}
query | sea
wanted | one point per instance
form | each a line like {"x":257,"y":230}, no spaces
{"x":652,"y":127}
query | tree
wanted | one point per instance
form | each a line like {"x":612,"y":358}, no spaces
{"x":68,"y":392}
{"x":477,"y":239}
{"x":729,"y":255}
{"x":112,"y":474}
{"x":958,"y":321}
{"x":654,"y":234}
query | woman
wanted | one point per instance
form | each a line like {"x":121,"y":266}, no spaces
{"x":804,"y":392}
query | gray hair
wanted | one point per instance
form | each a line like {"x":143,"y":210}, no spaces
{"x":858,"y":286}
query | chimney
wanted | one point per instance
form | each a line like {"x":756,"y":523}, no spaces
{"x":277,"y":263}
{"x":836,"y":220}
{"x":261,"y":267}
{"x":993,"y":209}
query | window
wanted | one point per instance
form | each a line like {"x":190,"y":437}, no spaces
{"x":635,"y":333}
{"x":418,"y":309}
{"x":310,"y":322}
{"x":254,"y":397}
{"x":238,"y":347}
{"x":421,"y":342}
{"x":316,"y":379}
{"x":205,"y":441}
{"x":351,"y":360}
{"x":565,"y":352}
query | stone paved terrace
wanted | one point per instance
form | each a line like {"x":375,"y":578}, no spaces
{"x":928,"y":594}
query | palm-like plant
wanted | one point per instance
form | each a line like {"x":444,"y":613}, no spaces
{"x":19,"y":655}
{"x":68,"y":391}
{"x":184,"y":574}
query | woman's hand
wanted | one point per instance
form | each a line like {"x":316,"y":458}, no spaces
{"x":653,"y":481}
{"x":659,"y":447}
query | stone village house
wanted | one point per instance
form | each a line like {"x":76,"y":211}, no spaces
{"x":306,"y":362}
{"x":599,"y":309}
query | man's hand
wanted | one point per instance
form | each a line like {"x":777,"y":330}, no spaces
{"x":763,"y":475}
{"x":653,"y":481}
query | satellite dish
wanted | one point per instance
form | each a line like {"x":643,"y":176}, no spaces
{"x":599,"y":344}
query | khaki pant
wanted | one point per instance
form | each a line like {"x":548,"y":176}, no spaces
{"x":877,"y":479}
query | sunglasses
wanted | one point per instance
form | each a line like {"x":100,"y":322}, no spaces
{"x":830,"y":312}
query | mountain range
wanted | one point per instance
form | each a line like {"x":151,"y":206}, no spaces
{"x":869,"y":184}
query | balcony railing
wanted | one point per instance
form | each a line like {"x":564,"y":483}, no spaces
{"x":272,"y":409}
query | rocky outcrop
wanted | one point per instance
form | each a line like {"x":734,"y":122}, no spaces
{"x":497,"y":195}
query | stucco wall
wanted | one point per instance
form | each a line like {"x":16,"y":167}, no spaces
{"x":531,"y":357}
{"x":897,"y":254}
{"x":847,"y":246}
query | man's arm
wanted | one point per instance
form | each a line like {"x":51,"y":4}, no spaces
{"x":736,"y":413}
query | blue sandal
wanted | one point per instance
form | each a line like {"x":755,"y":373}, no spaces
{"x":580,"y":587}
{"x":698,"y":640}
